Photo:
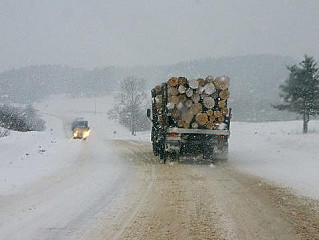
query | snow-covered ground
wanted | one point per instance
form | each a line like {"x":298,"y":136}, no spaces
{"x":61,"y":185}
{"x":28,"y":157}
{"x":280,"y":152}
{"x":277,"y":151}
{"x":52,"y":186}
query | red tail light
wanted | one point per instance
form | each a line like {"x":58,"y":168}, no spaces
{"x":222,"y":136}
{"x":174,"y":134}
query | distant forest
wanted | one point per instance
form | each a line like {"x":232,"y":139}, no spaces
{"x":254,"y":82}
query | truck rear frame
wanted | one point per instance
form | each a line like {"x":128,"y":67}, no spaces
{"x":174,"y":142}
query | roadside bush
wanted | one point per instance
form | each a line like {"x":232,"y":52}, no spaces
{"x":22,"y":120}
{"x":32,"y":120}
{"x":4,"y":132}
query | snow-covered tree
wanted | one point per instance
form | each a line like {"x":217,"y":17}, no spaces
{"x":18,"y":119}
{"x":300,"y":93}
{"x":32,"y":120}
{"x":11,"y":118}
{"x":130,"y":105}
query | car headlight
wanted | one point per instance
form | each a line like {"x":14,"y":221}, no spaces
{"x":86,"y":134}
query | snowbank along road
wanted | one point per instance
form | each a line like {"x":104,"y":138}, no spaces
{"x":117,"y":189}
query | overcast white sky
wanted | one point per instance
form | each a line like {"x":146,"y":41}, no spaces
{"x":95,"y":33}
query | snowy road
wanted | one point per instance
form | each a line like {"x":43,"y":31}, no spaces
{"x":198,"y":201}
{"x":105,"y":188}
{"x":126,"y":194}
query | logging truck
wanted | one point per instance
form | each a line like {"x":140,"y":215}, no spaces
{"x":191,"y":116}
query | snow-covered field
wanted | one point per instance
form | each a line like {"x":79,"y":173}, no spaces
{"x":277,"y":151}
{"x":280,"y":152}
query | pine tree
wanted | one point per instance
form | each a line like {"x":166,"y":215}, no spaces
{"x":300,"y":92}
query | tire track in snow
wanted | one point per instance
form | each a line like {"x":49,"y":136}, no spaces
{"x":142,"y":201}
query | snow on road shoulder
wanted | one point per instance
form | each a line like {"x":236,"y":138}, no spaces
{"x":279,"y":152}
{"x":28,"y":157}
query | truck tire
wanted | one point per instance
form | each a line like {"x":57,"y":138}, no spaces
{"x":208,"y":151}
{"x":208,"y":154}
{"x":223,"y":156}
{"x":163,"y":156}
{"x":161,"y":150}
{"x":175,"y":156}
{"x":155,"y":148}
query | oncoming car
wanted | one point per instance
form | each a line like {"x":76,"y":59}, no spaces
{"x":80,"y":129}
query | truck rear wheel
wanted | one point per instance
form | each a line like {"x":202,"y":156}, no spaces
{"x":208,"y":151}
{"x":163,"y":156}
{"x":223,"y":155}
{"x":161,"y":150}
{"x":208,"y":155}
{"x":155,"y":148}
{"x":175,"y":156}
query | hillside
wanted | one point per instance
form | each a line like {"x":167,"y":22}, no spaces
{"x":33,"y":83}
{"x":254,"y":81}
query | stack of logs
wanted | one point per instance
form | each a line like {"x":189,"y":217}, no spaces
{"x":195,"y":103}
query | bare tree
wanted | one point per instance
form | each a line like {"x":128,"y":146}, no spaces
{"x":131,"y":105}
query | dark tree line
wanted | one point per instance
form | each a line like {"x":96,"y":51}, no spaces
{"x":29,"y":84}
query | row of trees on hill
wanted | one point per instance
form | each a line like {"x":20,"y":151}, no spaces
{"x":253,"y":86}
{"x":29,"y":84}
{"x":254,"y":81}
{"x":299,"y":93}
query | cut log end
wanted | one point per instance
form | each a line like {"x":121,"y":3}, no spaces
{"x":201,"y":118}
{"x":224,"y":94}
{"x":173,"y":81}
{"x":196,"y":108}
